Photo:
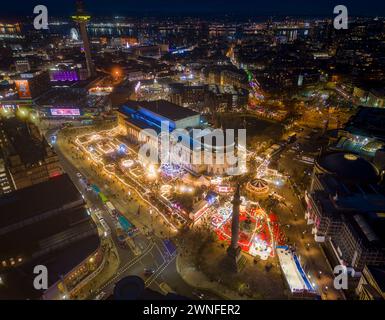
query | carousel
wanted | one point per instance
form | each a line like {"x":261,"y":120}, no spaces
{"x":257,"y":189}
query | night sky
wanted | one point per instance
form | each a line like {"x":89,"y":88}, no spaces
{"x":239,"y":7}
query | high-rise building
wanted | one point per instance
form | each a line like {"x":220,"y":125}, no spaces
{"x":32,"y":84}
{"x":5,"y":181}
{"x":82,"y":18}
{"x":345,"y":206}
{"x":38,"y":227}
{"x":372,"y":284}
{"x":22,"y":65}
{"x":28,"y":158}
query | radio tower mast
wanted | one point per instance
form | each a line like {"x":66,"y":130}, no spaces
{"x":82,"y":18}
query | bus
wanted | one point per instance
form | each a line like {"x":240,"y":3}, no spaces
{"x":106,"y":228}
{"x":292,"y":137}
{"x":103,"y":197}
{"x":307,"y":160}
{"x":111,"y":209}
{"x":87,"y":121}
{"x":95,"y":188}
{"x":98,"y":214}
{"x":127,"y":226}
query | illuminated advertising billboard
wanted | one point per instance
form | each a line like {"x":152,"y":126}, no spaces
{"x":65,"y":112}
{"x":22,"y":87}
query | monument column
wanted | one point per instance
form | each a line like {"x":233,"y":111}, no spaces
{"x":234,"y":251}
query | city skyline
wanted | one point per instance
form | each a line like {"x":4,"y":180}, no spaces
{"x":195,"y":156}
{"x":246,"y":8}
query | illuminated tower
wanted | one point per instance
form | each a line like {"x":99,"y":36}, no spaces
{"x":81,"y":18}
{"x":234,"y":251}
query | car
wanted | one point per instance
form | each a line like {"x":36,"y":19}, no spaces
{"x":198,"y":294}
{"x":148,"y":272}
{"x":100,"y":296}
{"x":166,"y":288}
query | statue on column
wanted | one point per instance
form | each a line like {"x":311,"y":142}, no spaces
{"x":234,"y":251}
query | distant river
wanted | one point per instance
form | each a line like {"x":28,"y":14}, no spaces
{"x":64,"y":29}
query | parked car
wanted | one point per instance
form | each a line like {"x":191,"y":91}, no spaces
{"x":148,"y":272}
{"x":100,"y":296}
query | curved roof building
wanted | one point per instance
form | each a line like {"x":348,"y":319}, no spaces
{"x":348,"y":167}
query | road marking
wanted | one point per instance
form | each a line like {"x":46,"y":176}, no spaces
{"x":127,"y":266}
{"x":153,"y":277}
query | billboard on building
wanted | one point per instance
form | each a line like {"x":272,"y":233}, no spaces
{"x":22,"y":87}
{"x":65,"y":112}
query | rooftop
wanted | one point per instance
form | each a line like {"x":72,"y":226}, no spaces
{"x":369,"y":122}
{"x":31,"y":201}
{"x":349,"y":167}
{"x":379,"y":93}
{"x":25,"y":140}
{"x":362,"y":206}
{"x":163,"y":108}
{"x":59,"y":262}
{"x":370,"y":227}
{"x":378,"y":274}
{"x":39,"y":227}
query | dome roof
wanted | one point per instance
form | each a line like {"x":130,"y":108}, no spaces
{"x":349,"y":167}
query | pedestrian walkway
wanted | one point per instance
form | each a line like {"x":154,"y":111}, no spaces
{"x":109,"y":270}
{"x":198,"y":279}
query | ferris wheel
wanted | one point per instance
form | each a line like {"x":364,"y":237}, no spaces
{"x":74,"y":34}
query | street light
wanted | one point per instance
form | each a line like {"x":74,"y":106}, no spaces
{"x":22,"y":113}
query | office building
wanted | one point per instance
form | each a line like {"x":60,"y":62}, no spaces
{"x":39,"y":228}
{"x":28,"y":158}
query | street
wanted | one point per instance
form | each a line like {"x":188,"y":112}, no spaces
{"x":154,"y":255}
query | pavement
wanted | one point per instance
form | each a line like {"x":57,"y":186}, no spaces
{"x":110,"y":268}
{"x":291,"y":215}
{"x":186,"y":267}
